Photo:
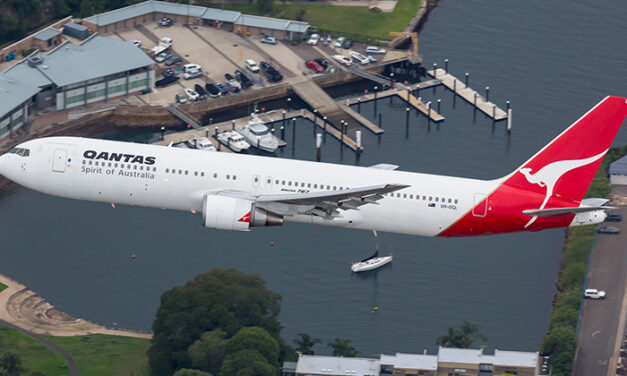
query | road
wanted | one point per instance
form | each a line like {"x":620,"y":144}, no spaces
{"x":600,"y":319}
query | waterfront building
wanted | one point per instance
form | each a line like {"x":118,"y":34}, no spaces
{"x":448,"y":362}
{"x":69,"y":76}
{"x":618,"y":172}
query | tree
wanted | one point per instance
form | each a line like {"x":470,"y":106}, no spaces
{"x":10,"y":364}
{"x":461,"y":335}
{"x":265,"y":6}
{"x":247,"y":363}
{"x":257,"y":339}
{"x":208,"y":352}
{"x":225,"y":299}
{"x":343,"y":347}
{"x":304,"y":343}
{"x":190,"y":372}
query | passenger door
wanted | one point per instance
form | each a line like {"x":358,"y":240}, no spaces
{"x":58,"y":160}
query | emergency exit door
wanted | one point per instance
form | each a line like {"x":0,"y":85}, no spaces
{"x":58,"y":161}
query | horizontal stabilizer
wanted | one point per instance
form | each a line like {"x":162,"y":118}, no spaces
{"x":563,"y":211}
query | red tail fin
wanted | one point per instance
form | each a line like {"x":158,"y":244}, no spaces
{"x":566,"y":166}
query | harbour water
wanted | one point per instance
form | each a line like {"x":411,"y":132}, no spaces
{"x":552,"y":60}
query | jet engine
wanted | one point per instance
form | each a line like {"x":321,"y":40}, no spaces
{"x":229,"y":213}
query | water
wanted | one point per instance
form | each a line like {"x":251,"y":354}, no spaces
{"x":553,"y":61}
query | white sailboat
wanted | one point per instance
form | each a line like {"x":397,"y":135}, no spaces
{"x":372,"y":262}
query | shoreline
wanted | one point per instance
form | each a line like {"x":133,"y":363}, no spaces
{"x":25,"y":309}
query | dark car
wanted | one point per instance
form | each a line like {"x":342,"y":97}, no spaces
{"x":212,"y":90}
{"x":223,"y":89}
{"x":166,"y":81}
{"x":243,"y":79}
{"x":173,"y":60}
{"x":270,"y":72}
{"x":614,"y":217}
{"x":323,"y":62}
{"x":231,"y":88}
{"x":347,"y":44}
{"x":169,"y":72}
{"x":166,"y":22}
{"x":200,"y":91}
{"x":608,"y":230}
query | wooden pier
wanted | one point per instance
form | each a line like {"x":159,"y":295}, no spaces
{"x":468,"y":94}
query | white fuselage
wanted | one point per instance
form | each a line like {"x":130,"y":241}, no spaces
{"x":180,"y":179}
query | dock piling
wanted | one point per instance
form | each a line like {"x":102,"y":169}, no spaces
{"x":380,"y":121}
{"x":162,"y":133}
{"x":406,"y":117}
{"x":359,"y":105}
{"x":429,"y":111}
{"x":324,"y":128}
{"x":467,"y":77}
{"x":487,"y":93}
{"x":318,"y":146}
{"x":358,"y":140}
{"x":435,"y":68}
{"x":507,"y":104}
{"x":439,"y":103}
{"x":493,"y":111}
{"x":455,"y":86}
{"x":293,"y":132}
{"x":315,"y":121}
{"x":475,"y":100}
{"x":282,"y":132}
{"x":446,"y":65}
{"x":215,"y":131}
{"x":509,"y":120}
{"x":283,"y":118}
{"x":233,"y":125}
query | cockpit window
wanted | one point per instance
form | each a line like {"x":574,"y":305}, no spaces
{"x":20,"y":151}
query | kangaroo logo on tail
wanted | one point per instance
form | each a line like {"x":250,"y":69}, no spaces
{"x":548,"y":175}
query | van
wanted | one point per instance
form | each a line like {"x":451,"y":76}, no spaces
{"x":252,"y":66}
{"x":191,"y":67}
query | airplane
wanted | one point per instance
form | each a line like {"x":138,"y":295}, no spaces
{"x":239,"y":192}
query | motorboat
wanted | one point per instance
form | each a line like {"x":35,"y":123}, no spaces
{"x":257,"y":134}
{"x":203,"y":143}
{"x":371,"y":263}
{"x":233,"y":141}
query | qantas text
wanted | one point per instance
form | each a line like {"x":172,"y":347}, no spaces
{"x":119,"y":157}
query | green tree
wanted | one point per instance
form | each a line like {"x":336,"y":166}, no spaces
{"x":564,"y":316}
{"x":343,"y":347}
{"x":561,"y":339}
{"x":190,"y":372}
{"x":225,"y":299}
{"x":11,"y":364}
{"x":305,"y":343}
{"x":247,"y":363}
{"x":257,"y":339}
{"x":461,"y":335}
{"x":208,"y":351}
{"x":265,"y":6}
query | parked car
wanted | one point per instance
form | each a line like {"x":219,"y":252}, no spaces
{"x":201,"y":92}
{"x":268,"y":39}
{"x":190,"y":67}
{"x":347,"y":44}
{"x":223,"y":89}
{"x":212,"y":90}
{"x":328,"y":39}
{"x":323,"y":62}
{"x":166,"y":22}
{"x":343,"y":59}
{"x":166,"y":81}
{"x":169,"y":72}
{"x":608,"y":230}
{"x":192,"y":74}
{"x":243,"y":79}
{"x":314,"y":66}
{"x":251,"y":65}
{"x":231,"y":88}
{"x":191,"y":94}
{"x":371,"y":58}
{"x":163,"y":56}
{"x":594,"y":294}
{"x":339,"y":41}
{"x":180,"y":98}
{"x":271,"y":74}
{"x":313,"y":39}
{"x":375,"y":50}
{"x":173,"y":60}
{"x":136,"y":43}
{"x":359,"y":57}
{"x":614,"y":217}
{"x":233,"y":82}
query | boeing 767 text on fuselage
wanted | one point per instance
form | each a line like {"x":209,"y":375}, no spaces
{"x":237,"y":192}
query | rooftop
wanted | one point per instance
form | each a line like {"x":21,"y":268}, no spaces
{"x":411,"y":361}
{"x":14,"y":92}
{"x":271,"y":23}
{"x":469,"y":356}
{"x":331,"y":365}
{"x":515,"y":358}
{"x":619,"y":167}
{"x":46,"y":34}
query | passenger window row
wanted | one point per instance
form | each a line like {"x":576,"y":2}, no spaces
{"x":128,"y":166}
{"x":201,"y":174}
{"x":410,"y":196}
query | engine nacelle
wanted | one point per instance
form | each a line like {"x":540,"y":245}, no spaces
{"x":589,"y":218}
{"x":229,"y":213}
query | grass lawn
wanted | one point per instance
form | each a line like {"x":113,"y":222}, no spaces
{"x":3,"y":286}
{"x":34,"y":355}
{"x":345,"y":19}
{"x":107,"y":355}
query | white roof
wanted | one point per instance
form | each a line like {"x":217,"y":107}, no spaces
{"x":411,"y":361}
{"x":469,"y":356}
{"x":515,"y":358}
{"x":332,"y":365}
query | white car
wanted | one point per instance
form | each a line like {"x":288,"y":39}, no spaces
{"x":313,"y":39}
{"x":339,"y":42}
{"x":328,"y":39}
{"x":137,"y":43}
{"x":594,"y":294}
{"x":251,"y":65}
{"x":375,"y":50}
{"x":192,"y":74}
{"x":268,"y":39}
{"x":343,"y":59}
{"x":191,"y":94}
{"x":359,"y":57}
{"x":191,"y":67}
{"x":163,"y":56}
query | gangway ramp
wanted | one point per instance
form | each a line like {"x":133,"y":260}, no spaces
{"x":184,"y":116}
{"x":382,"y":80}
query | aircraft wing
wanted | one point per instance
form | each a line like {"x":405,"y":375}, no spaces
{"x":563,"y":211}
{"x":323,"y":204}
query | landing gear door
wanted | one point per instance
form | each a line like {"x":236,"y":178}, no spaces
{"x":480,"y":205}
{"x":58,"y":160}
